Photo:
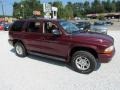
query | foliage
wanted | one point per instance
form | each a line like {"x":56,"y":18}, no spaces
{"x":97,"y":7}
{"x":60,"y":7}
{"x":69,"y":10}
{"x":25,"y":8}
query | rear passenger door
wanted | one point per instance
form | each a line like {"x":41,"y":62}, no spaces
{"x":32,"y":35}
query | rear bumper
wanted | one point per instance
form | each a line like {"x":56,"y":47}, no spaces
{"x":10,"y":42}
{"x":105,"y":58}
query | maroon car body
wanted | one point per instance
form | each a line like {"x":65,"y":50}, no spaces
{"x":64,"y":44}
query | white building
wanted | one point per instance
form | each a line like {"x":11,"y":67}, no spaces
{"x":50,"y":12}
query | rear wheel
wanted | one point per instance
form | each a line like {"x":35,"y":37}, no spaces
{"x":20,"y":50}
{"x":84,"y":62}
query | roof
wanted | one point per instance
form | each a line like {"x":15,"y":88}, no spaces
{"x":40,"y":18}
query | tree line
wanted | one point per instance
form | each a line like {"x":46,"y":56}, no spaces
{"x":25,"y":8}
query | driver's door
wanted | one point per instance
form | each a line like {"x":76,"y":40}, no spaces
{"x":54,"y":45}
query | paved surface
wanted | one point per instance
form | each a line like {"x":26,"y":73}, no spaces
{"x":36,"y":73}
{"x":115,"y":26}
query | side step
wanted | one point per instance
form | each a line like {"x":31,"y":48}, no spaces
{"x":47,"y":56}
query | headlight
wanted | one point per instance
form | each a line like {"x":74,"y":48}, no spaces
{"x":81,"y":28}
{"x":109,"y":49}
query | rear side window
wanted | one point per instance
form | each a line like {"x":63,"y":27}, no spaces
{"x":17,"y":26}
{"x":33,"y":26}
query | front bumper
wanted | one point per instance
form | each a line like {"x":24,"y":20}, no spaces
{"x":105,"y":58}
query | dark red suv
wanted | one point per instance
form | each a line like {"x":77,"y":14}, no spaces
{"x":61,"y":40}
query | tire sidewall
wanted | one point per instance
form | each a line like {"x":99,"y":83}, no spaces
{"x":89,"y":56}
{"x":23,"y":50}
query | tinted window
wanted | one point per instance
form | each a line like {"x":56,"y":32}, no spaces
{"x":17,"y":26}
{"x":33,"y":26}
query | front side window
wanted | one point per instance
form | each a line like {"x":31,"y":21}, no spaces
{"x":49,"y":26}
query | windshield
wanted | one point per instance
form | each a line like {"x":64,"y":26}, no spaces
{"x":69,"y":27}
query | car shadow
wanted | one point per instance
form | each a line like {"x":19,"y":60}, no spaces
{"x":12,"y":50}
{"x":46,"y":60}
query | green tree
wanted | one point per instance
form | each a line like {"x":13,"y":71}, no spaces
{"x":113,"y":6}
{"x":107,"y":6}
{"x":97,"y":7}
{"x":17,"y":10}
{"x":87,"y":8}
{"x":69,"y":10}
{"x":25,"y":8}
{"x":118,"y":6}
{"x":78,"y":9}
{"x":61,"y":11}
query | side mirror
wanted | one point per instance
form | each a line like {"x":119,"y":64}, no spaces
{"x":55,"y":32}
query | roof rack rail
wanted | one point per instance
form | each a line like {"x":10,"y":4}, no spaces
{"x":36,"y":17}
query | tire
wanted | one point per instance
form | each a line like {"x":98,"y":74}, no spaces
{"x":84,"y":62}
{"x":20,"y":50}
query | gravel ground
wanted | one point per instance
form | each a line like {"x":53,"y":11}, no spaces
{"x":36,"y":73}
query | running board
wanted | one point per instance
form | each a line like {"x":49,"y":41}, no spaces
{"x":47,"y":56}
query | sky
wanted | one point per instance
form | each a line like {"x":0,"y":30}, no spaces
{"x":8,"y":10}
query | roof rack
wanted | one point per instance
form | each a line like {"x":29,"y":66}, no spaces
{"x":39,"y":17}
{"x":36,"y":17}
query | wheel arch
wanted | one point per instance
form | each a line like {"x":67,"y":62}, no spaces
{"x":81,"y":48}
{"x":16,"y":40}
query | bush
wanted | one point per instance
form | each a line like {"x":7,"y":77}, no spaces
{"x":101,"y":17}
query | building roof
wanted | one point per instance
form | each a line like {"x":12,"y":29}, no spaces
{"x":103,"y":14}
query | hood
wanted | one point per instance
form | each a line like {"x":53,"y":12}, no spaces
{"x":98,"y":27}
{"x":93,"y":38}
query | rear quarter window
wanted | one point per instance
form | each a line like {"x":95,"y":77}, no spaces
{"x":17,"y":26}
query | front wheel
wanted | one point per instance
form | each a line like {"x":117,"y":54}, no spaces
{"x":20,"y":50}
{"x":84,"y":62}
